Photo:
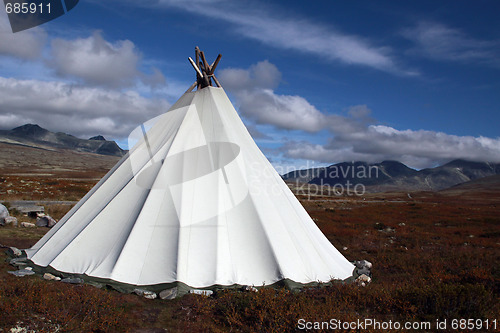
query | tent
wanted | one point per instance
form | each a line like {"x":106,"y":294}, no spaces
{"x":194,"y":203}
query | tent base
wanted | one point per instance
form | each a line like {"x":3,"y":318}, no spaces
{"x":181,"y":288}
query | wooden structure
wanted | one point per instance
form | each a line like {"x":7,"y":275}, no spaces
{"x":204,"y":71}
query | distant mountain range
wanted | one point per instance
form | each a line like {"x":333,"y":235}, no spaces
{"x":392,"y":175}
{"x":38,"y":137}
{"x":376,"y":177}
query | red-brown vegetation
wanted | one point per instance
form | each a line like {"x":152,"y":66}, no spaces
{"x":435,"y":256}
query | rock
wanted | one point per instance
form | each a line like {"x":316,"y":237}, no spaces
{"x":364,"y":271}
{"x":72,"y":280}
{"x":201,"y":292}
{"x":250,"y":288}
{"x":22,"y":272}
{"x":4,"y":212}
{"x":363,"y":267}
{"x":50,"y":277}
{"x":169,"y":293}
{"x":362,"y":264}
{"x":345,"y":248}
{"x":150,"y":295}
{"x":45,"y":221}
{"x":10,"y":220}
{"x":15,"y":252}
{"x":145,"y":293}
{"x":363,"y":280}
{"x":27,"y":225}
{"x":18,"y":262}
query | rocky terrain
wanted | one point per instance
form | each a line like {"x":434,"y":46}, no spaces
{"x":35,"y":136}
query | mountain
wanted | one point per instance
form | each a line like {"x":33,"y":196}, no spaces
{"x":489,"y":185}
{"x":304,"y":175}
{"x":36,"y":136}
{"x":393,"y":175}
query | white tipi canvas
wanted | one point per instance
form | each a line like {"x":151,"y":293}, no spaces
{"x":194,"y":202}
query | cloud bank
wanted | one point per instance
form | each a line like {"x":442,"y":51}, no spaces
{"x":440,"y":42}
{"x":92,"y":87}
{"x":355,"y":136}
{"x":78,"y":110}
{"x":26,"y":45}
{"x":98,"y":62}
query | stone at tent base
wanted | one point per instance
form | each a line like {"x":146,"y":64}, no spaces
{"x":169,"y":293}
{"x":249,"y":288}
{"x":201,"y":292}
{"x":10,"y":220}
{"x":51,"y":277}
{"x":363,"y":280}
{"x":14,"y":252}
{"x":362,"y":264}
{"x":45,"y":221}
{"x":22,"y":272}
{"x":18,"y":262}
{"x":3,"y":214}
{"x":27,"y":225}
{"x":72,"y":280}
{"x":145,"y":293}
{"x":363,"y":267}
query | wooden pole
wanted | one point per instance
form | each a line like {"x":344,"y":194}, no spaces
{"x":195,"y":67}
{"x":214,"y":65}
{"x":204,"y":71}
{"x":192,"y":86}
{"x":197,"y":52}
{"x":207,"y":68}
{"x":205,"y":63}
{"x":216,"y":81}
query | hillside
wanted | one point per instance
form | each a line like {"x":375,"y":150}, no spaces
{"x":395,"y":176}
{"x":35,"y":136}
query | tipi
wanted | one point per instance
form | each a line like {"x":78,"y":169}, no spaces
{"x":194,"y":203}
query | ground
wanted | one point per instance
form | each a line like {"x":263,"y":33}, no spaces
{"x":435,"y":256}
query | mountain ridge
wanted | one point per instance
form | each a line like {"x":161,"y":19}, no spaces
{"x":394,"y":175}
{"x":35,"y":136}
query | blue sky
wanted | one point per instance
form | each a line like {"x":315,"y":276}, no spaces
{"x":315,"y":82}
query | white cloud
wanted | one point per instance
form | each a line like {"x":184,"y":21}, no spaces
{"x":99,"y":62}
{"x":93,"y":100}
{"x":272,"y":28}
{"x":262,"y":75}
{"x":440,"y":42}
{"x":258,"y":102}
{"x":418,"y":149}
{"x":355,"y":137}
{"x":282,"y":111}
{"x":26,"y":44}
{"x":81,"y":111}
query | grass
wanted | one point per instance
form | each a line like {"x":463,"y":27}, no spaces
{"x":441,"y":261}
